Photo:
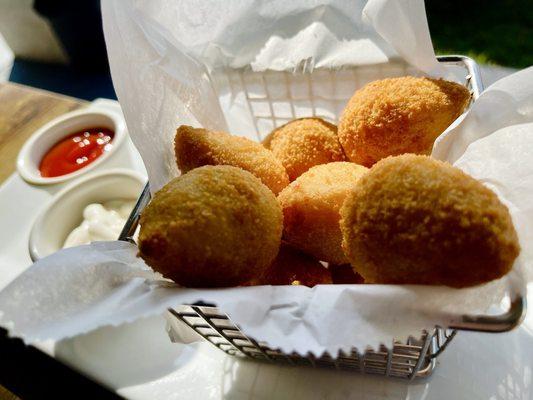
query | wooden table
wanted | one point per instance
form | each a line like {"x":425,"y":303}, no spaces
{"x":22,"y":111}
{"x":24,"y":369}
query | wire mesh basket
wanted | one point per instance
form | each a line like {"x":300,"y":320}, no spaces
{"x":414,"y":358}
{"x":264,"y":101}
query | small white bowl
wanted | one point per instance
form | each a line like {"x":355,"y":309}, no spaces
{"x":44,"y":138}
{"x":65,"y":211}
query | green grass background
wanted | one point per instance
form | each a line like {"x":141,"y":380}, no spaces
{"x":492,"y":31}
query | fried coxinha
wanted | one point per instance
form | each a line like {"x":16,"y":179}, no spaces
{"x":195,"y":147}
{"x":311,"y":207}
{"x":394,"y":116}
{"x":294,"y":267}
{"x":304,"y":143}
{"x":214,"y":226}
{"x":415,"y":220}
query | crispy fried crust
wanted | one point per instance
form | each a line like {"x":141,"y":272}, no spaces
{"x":415,"y":220}
{"x":215,"y":226}
{"x":293,"y":267}
{"x":311,"y":209}
{"x":195,"y":147}
{"x":398,"y":115}
{"x":304,"y":143}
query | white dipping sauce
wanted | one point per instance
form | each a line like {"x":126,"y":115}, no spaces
{"x":101,"y":222}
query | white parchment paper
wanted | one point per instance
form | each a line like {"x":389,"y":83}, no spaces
{"x":108,"y":285}
{"x":162,"y":56}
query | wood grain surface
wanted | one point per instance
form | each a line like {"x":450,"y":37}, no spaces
{"x":22,"y":111}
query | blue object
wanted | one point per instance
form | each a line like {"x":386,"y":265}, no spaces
{"x":64,"y":79}
{"x":78,"y":26}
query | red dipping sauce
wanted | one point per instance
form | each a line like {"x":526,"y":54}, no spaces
{"x":76,"y":151}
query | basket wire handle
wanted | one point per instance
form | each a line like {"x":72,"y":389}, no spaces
{"x":474,"y":75}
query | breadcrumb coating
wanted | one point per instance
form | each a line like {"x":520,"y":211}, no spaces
{"x":398,"y":115}
{"x":311,"y":207}
{"x":304,"y":143}
{"x":415,"y":220}
{"x":293,"y":267}
{"x":215,"y":226}
{"x":195,"y":147}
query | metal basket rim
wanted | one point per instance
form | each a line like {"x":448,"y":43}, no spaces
{"x":504,"y":322}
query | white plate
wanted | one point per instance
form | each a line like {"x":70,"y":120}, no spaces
{"x":139,"y":362}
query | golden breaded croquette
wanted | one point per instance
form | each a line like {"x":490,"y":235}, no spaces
{"x":293,"y":267}
{"x":398,"y":115}
{"x":415,"y":220}
{"x":304,"y":143}
{"x":215,"y":226}
{"x":311,"y":207}
{"x":195,"y":147}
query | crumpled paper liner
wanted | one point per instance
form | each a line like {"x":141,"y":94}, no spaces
{"x":109,"y":285}
{"x":163,"y":54}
